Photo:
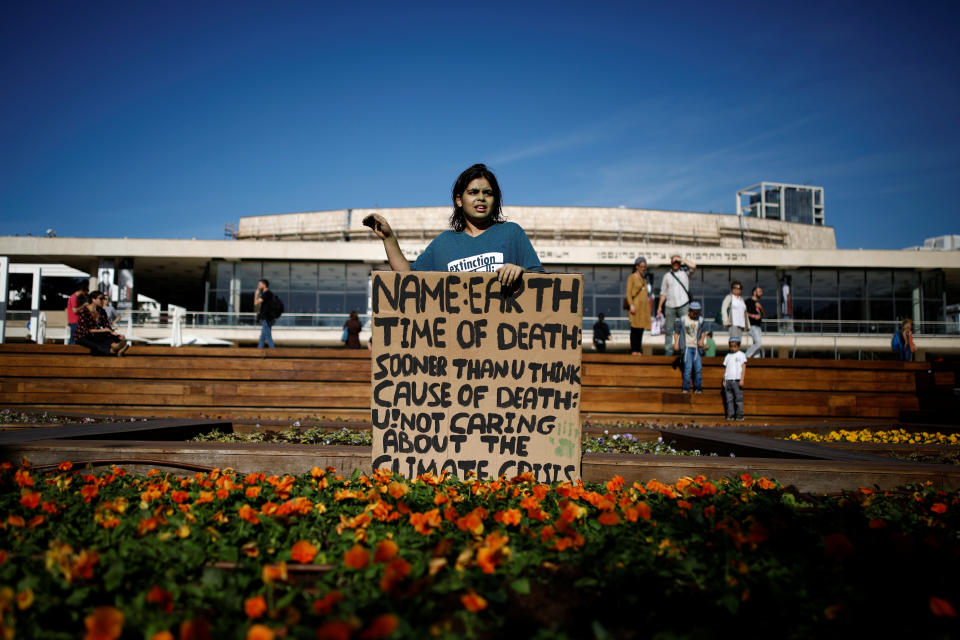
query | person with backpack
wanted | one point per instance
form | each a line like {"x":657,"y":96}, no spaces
{"x":674,"y":297}
{"x":264,"y":301}
{"x":902,"y":343}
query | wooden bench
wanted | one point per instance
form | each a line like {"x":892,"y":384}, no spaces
{"x":300,"y":383}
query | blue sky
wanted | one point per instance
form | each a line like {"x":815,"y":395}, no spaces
{"x":150,"y":119}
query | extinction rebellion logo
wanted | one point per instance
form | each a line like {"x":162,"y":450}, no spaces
{"x":485,"y":262}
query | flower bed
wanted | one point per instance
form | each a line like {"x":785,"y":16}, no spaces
{"x":321,"y":556}
{"x":886,"y":436}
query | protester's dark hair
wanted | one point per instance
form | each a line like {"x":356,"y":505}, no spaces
{"x":265,"y":282}
{"x":96,"y":295}
{"x":736,"y":283}
{"x":600,"y":316}
{"x":457,"y":222}
{"x":82,"y":298}
{"x":753,"y":291}
{"x":354,"y":316}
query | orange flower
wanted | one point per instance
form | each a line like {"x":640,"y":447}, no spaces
{"x":763,"y":483}
{"x":303,"y":552}
{"x":937,"y":507}
{"x":393,"y":574}
{"x":877,"y":523}
{"x":204,"y":497}
{"x":473,"y":602}
{"x":335,"y":630}
{"x":615,"y":484}
{"x":423,"y":521}
{"x":198,"y":629}
{"x":473,"y":521}
{"x":324,"y":605}
{"x":16,"y":521}
{"x":260,"y":632}
{"x":162,"y":597}
{"x":35,"y":521}
{"x":248,"y":513}
{"x":386,"y":549}
{"x":274,"y":573}
{"x":65,"y":466}
{"x":357,"y":557}
{"x":397,"y":489}
{"x":747,"y":480}
{"x":23,"y":478}
{"x":255,"y":607}
{"x":25,"y":599}
{"x":709,"y":512}
{"x":179,"y":496}
{"x":508,"y":516}
{"x":89,"y":492}
{"x":105,"y":623}
{"x":380,"y":627}
{"x":683,"y":504}
{"x":30,"y":499}
{"x":609,"y":518}
{"x":942,"y":608}
{"x":162,"y":635}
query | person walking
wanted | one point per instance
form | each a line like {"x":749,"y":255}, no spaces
{"x":674,"y":297}
{"x":734,"y":311}
{"x":755,"y":314}
{"x":637,"y":302}
{"x":353,"y":327}
{"x":263,"y":303}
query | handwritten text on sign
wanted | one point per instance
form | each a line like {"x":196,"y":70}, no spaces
{"x":467,"y":378}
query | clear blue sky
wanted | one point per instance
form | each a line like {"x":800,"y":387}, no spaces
{"x":169,"y":119}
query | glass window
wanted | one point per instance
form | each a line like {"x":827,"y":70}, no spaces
{"x":357,"y":276}
{"x":696,"y":284}
{"x":588,"y":307}
{"x":824,"y":283}
{"x":904,"y":283}
{"x":881,"y":310}
{"x":801,"y":309}
{"x":852,"y":283}
{"x":277,"y":274}
{"x":303,"y":276}
{"x":249,"y":274}
{"x":767,"y":279}
{"x":711,"y":306}
{"x":825,"y":310}
{"x":747,"y":277}
{"x":607,"y":280}
{"x":609,"y":306}
{"x":218,"y":301}
{"x":879,"y":285}
{"x":799,"y":283}
{"x":716,"y":283}
{"x":301,"y":302}
{"x":852,"y":310}
{"x":331,"y":277}
{"x":330,"y":303}
{"x":355,"y":302}
{"x":904,"y":309}
{"x":220,"y":275}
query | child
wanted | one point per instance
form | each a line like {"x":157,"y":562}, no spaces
{"x":687,"y":341}
{"x":480,"y":239}
{"x":736,"y":370}
{"x":601,"y":333}
{"x":711,"y":346}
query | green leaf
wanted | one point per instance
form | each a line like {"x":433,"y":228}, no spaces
{"x":113,"y":577}
{"x":521,"y":586}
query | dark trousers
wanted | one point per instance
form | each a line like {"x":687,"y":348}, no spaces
{"x":636,"y":339}
{"x":734,"y":397}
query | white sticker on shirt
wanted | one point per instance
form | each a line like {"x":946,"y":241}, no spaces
{"x":485,"y":262}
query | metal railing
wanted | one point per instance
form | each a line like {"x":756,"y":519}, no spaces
{"x":789,"y":326}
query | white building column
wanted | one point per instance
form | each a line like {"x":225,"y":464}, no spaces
{"x":4,"y":290}
{"x":35,"y":303}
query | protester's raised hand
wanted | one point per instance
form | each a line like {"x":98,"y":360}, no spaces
{"x":509,"y":274}
{"x":379,"y":225}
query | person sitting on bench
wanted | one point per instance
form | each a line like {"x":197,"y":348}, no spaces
{"x":102,"y":341}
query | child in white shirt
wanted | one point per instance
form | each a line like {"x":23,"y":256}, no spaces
{"x":735,"y":364}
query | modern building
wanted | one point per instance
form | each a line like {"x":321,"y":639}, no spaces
{"x":819,"y":299}
{"x":779,"y":201}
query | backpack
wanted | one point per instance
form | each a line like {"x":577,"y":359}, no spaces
{"x":276,"y":307}
{"x":896,"y":343}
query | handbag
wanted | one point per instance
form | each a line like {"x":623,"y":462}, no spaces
{"x":346,"y":335}
{"x":626,"y":303}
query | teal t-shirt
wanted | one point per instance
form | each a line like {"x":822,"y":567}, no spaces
{"x":711,"y":349}
{"x":502,"y":243}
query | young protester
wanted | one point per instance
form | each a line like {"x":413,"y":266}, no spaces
{"x":735,"y":371}
{"x":688,"y":336}
{"x":601,"y":333}
{"x":479,"y":239}
{"x":637,"y":303}
{"x":709,"y":346}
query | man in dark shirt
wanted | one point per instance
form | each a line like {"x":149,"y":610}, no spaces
{"x":755,"y":312}
{"x":263,"y":303}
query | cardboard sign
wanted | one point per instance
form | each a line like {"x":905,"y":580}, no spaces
{"x":468,"y":377}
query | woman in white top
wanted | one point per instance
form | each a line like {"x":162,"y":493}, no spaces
{"x":734,"y":311}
